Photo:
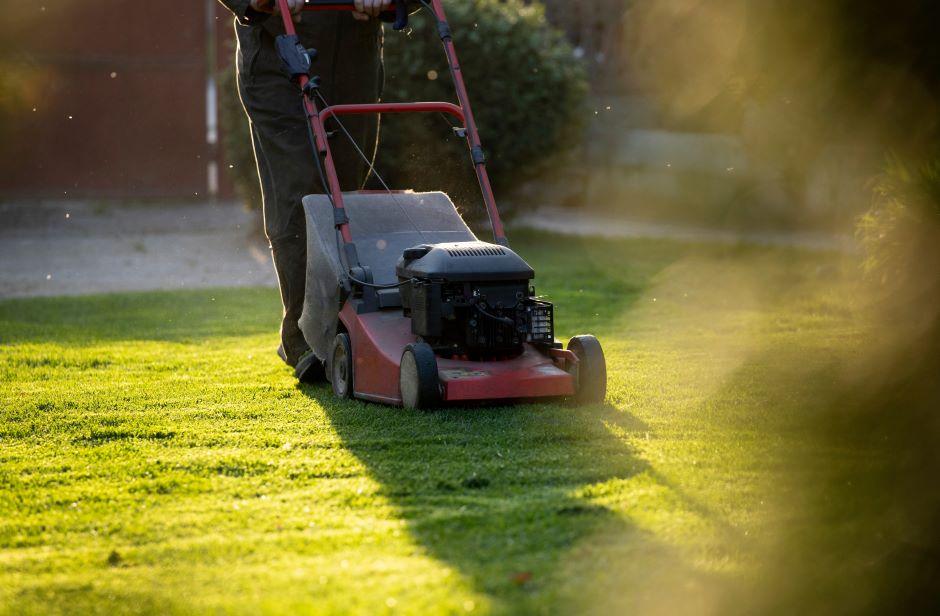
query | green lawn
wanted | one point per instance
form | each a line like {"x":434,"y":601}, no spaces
{"x":156,"y":457}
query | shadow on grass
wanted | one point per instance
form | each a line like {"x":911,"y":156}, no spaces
{"x":512,"y":498}
{"x":491,"y":491}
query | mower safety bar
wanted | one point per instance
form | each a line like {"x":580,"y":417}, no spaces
{"x":336,"y":110}
{"x":461,"y":111}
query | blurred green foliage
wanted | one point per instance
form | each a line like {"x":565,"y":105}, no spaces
{"x":836,"y":70}
{"x":526,"y":88}
{"x":892,"y":395}
{"x":903,"y":226}
{"x":816,"y":90}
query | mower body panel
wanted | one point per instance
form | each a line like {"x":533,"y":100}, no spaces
{"x":379,"y":339}
{"x":530,"y":375}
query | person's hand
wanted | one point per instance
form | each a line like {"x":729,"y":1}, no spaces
{"x":369,"y":8}
{"x":272,"y":6}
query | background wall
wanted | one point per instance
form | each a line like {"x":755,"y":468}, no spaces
{"x":106,"y":99}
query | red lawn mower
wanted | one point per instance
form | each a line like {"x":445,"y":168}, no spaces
{"x":403,"y":304}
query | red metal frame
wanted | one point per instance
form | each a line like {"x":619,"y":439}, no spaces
{"x":462,"y":111}
{"x":335,"y":110}
{"x":473,"y":136}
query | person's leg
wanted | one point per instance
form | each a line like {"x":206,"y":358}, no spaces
{"x":292,"y":344}
{"x":287,"y":174}
{"x":285,"y":156}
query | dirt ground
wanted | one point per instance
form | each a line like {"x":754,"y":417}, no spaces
{"x":73,"y":247}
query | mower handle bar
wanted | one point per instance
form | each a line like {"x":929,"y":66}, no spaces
{"x":399,"y":15}
{"x":355,"y":109}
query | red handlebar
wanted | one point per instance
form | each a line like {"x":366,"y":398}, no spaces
{"x":462,"y":111}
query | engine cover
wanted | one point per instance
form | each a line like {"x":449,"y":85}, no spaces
{"x":472,"y":298}
{"x":463,"y":261}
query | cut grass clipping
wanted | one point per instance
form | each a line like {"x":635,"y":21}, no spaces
{"x":156,"y":456}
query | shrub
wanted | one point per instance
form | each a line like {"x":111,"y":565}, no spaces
{"x":894,"y":396}
{"x":901,"y":231}
{"x":526,"y":87}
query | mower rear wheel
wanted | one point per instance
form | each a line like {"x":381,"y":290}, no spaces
{"x":341,"y":366}
{"x":417,"y":377}
{"x":592,"y":369}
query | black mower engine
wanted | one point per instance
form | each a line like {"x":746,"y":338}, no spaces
{"x":472,"y":298}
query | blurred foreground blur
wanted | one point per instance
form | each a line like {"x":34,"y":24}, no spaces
{"x":750,"y":113}
{"x":743,"y":113}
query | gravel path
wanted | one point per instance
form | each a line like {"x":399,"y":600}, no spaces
{"x":573,"y":222}
{"x":71,"y":248}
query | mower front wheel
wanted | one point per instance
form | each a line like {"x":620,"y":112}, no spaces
{"x":592,"y":369}
{"x":417,"y":377}
{"x":341,"y":366}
